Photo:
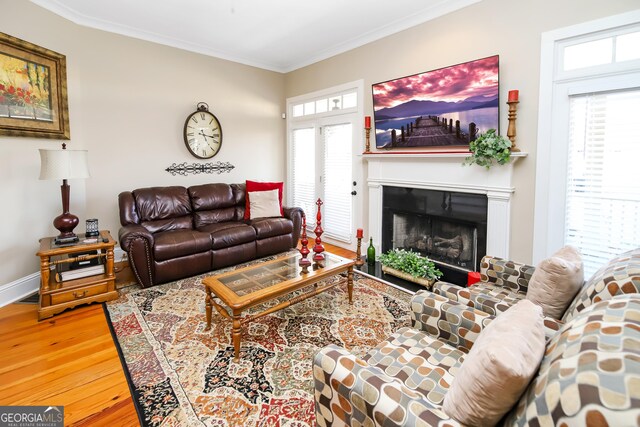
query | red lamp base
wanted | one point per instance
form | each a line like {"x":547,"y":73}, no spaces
{"x":65,"y":223}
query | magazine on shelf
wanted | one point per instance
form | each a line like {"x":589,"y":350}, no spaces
{"x":79,"y":268}
{"x":78,"y":273}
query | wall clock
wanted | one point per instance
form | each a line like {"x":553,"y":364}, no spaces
{"x":202,"y":132}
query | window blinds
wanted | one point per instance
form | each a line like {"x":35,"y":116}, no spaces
{"x":303,"y":172}
{"x":602,"y":215}
{"x":337,"y":181}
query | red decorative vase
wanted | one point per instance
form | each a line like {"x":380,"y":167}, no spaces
{"x":318,"y":249}
{"x":304,"y":250}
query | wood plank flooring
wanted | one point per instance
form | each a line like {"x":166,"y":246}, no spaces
{"x":69,"y":360}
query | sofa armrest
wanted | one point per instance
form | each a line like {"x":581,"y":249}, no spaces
{"x":502,"y":272}
{"x":295,"y":215}
{"x":447,"y":320}
{"x":138,"y":243}
{"x":450,"y":291}
{"x":348,"y":391}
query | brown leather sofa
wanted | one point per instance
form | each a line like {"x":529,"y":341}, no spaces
{"x":174,"y":232}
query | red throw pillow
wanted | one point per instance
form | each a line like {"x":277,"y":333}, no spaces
{"x":262,"y":186}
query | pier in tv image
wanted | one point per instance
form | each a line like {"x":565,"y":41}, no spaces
{"x":441,"y":108}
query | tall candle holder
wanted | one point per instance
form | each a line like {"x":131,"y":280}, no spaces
{"x":318,"y":256}
{"x":511,"y":130}
{"x":304,"y":250}
{"x":359,"y":260}
{"x":367,"y":147}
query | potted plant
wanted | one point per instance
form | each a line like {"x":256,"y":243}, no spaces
{"x":410,"y":266}
{"x":489,"y":148}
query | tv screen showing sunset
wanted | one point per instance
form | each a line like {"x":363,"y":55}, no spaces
{"x":440,"y":108}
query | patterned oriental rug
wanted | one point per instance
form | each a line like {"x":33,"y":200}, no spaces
{"x":181,"y":375}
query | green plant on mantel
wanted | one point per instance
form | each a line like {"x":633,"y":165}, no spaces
{"x":411,"y":263}
{"x":489,"y":148}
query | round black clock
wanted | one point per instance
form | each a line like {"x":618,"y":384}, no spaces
{"x":202,"y":133}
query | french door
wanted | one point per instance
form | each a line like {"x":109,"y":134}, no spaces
{"x":322,"y":154}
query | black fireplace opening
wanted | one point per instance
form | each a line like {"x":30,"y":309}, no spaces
{"x":448,"y":227}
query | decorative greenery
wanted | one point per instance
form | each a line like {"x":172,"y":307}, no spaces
{"x":411,"y":263}
{"x":489,"y":148}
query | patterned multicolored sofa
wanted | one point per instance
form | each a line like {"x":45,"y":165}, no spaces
{"x":589,"y":375}
{"x":503,"y":283}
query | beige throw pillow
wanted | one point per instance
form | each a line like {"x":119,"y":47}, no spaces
{"x":499,"y":367}
{"x":264,"y":204}
{"x":556,"y":281}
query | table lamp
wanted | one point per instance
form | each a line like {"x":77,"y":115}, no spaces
{"x":64,"y":164}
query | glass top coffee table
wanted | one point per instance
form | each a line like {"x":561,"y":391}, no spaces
{"x":256,"y":284}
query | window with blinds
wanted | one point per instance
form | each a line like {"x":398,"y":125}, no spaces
{"x":303,"y":172}
{"x":337,"y":177}
{"x":603,"y":176}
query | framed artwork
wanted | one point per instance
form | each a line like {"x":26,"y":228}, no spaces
{"x":442,"y":108}
{"x":33,"y":90}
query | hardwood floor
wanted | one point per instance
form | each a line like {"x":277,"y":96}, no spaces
{"x":69,"y":360}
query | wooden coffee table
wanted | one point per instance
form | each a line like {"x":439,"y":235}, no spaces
{"x":259,"y":283}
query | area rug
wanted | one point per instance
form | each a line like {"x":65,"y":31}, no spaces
{"x":182,"y":375}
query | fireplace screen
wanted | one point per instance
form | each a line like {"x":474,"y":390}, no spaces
{"x":449,"y":242}
{"x":448,"y":227}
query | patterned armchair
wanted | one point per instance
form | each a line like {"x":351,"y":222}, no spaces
{"x":504,"y":283}
{"x":589,"y":374}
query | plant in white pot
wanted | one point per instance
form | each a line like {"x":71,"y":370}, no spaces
{"x":489,"y":148}
{"x":410,"y":266}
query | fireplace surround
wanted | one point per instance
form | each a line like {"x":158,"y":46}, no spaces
{"x":443,"y":172}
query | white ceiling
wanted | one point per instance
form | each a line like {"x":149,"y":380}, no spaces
{"x":278,"y":35}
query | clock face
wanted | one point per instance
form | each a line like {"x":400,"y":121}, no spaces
{"x":203,"y":134}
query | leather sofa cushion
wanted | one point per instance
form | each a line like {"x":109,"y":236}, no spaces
{"x":182,"y":223}
{"x":226,"y":234}
{"x":205,"y":218}
{"x":269,"y":227}
{"x":163,"y":208}
{"x":212,"y":203}
{"x":211,"y":196}
{"x":239,"y":195}
{"x":179,"y":243}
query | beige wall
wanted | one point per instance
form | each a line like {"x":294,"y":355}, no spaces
{"x":511,"y":29}
{"x":128,"y":100}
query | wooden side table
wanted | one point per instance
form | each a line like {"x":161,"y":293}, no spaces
{"x":58,"y":296}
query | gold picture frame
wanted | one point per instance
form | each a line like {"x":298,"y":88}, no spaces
{"x":33,"y":90}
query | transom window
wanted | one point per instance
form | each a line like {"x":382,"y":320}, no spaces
{"x":331,"y":104}
{"x":599,"y":52}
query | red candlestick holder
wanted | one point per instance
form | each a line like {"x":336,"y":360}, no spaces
{"x":304,"y":250}
{"x":318,"y":256}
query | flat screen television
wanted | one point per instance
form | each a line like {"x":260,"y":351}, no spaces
{"x":442,"y":108}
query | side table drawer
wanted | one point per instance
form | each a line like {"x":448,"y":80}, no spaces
{"x":79,"y":293}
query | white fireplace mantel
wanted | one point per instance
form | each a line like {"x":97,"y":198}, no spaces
{"x":444,"y":172}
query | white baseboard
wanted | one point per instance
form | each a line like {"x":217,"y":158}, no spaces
{"x":118,"y":254}
{"x":19,"y":289}
{"x":30,"y":284}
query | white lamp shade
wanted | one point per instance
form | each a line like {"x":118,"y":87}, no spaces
{"x":63,"y":164}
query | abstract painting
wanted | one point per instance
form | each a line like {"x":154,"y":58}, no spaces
{"x":33,"y":90}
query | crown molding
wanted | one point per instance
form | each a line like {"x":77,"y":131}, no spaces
{"x":440,"y":8}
